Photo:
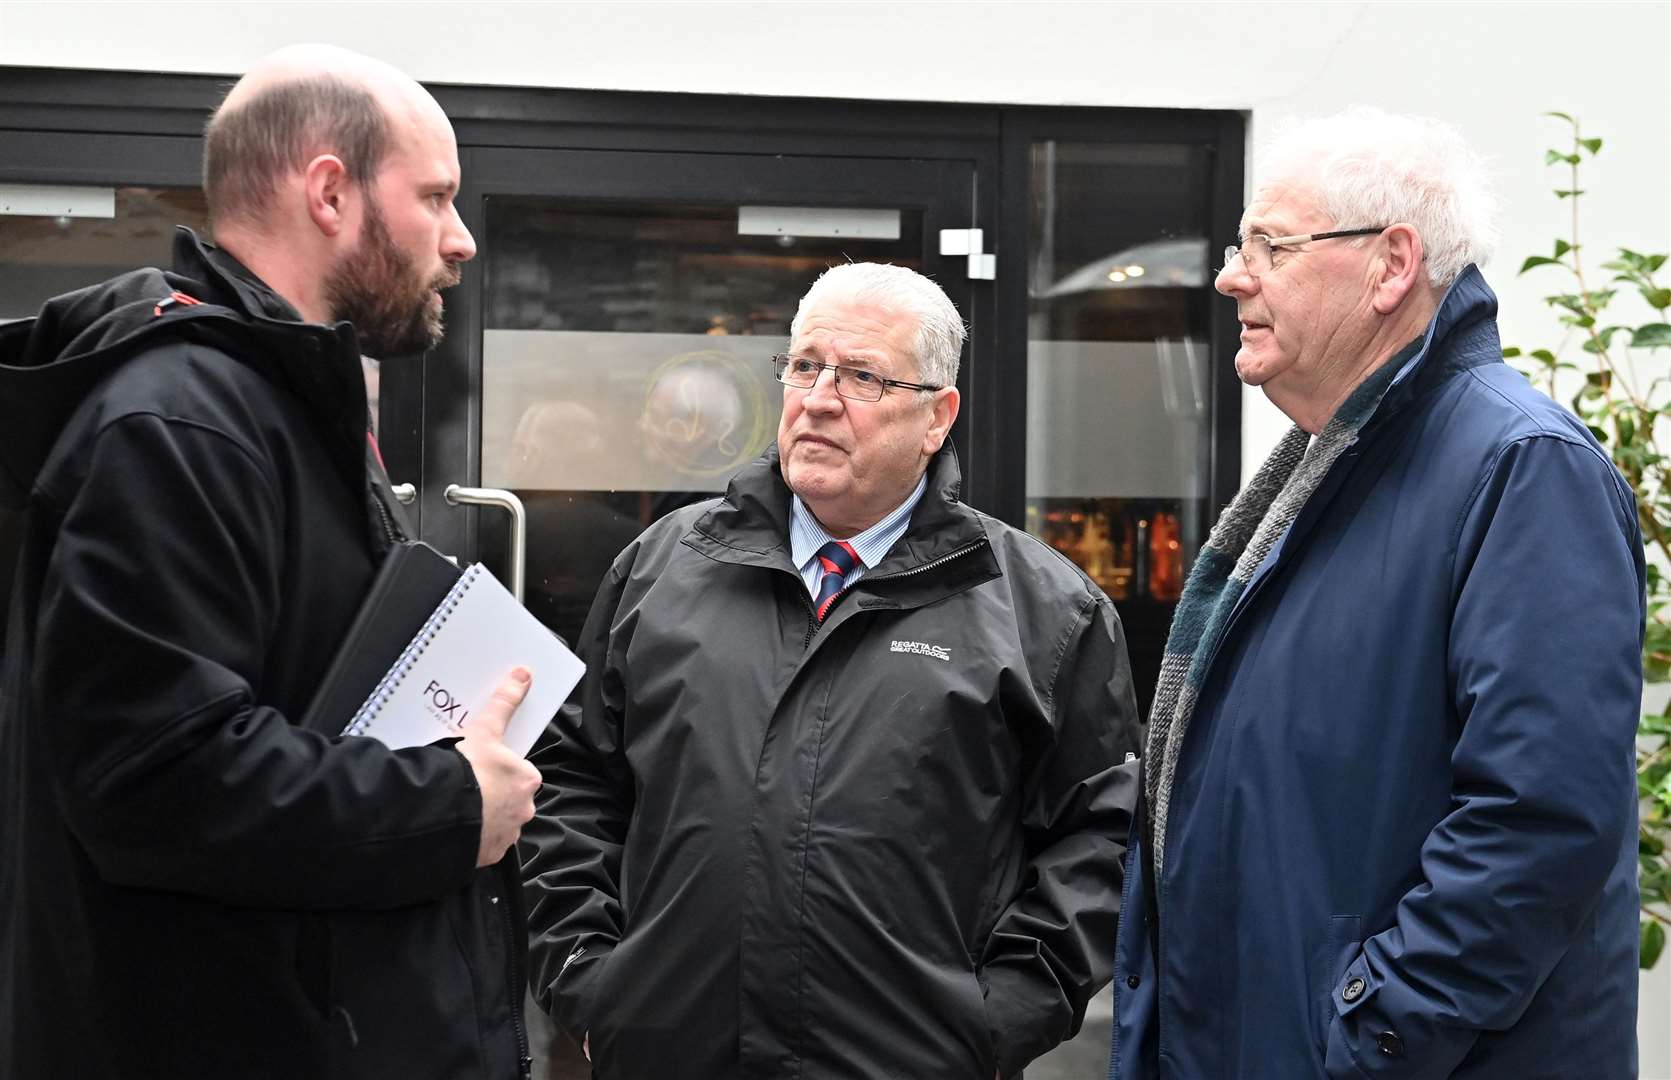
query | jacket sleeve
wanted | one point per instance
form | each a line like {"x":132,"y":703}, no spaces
{"x":571,"y":850}
{"x":1545,"y":663}
{"x":1052,"y":948}
{"x":157,"y":609}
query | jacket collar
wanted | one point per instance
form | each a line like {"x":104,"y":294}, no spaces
{"x":750,"y":527}
{"x":1462,"y":334}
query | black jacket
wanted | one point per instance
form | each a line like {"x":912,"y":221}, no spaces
{"x":887,"y":846}
{"x":191,"y":884}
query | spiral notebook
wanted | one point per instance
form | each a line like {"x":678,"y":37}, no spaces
{"x":471,"y":639}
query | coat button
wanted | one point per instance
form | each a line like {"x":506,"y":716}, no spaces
{"x":1353,"y":990}
{"x":1132,"y":982}
{"x":1390,"y":1044}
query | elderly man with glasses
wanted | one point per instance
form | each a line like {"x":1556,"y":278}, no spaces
{"x":847,"y":791}
{"x":1389,"y":810}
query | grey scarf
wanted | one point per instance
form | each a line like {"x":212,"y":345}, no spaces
{"x":1245,"y":533}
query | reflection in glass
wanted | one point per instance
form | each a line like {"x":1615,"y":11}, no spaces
{"x":1117,"y":380}
{"x":626,"y":367}
{"x":42,"y":257}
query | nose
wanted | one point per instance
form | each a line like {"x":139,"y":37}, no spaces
{"x":821,"y":396}
{"x":1234,"y":280}
{"x":457,"y":245}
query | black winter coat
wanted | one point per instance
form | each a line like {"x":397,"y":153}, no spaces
{"x":889,"y":845}
{"x":191,"y":884}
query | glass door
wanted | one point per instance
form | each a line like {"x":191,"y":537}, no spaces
{"x":623,"y":309}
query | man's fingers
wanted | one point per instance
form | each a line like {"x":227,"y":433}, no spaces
{"x":492,"y":718}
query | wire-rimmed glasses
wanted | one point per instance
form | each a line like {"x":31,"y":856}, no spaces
{"x":855,"y":383}
{"x":1255,"y":250}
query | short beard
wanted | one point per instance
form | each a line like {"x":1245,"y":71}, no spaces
{"x":377,"y":288}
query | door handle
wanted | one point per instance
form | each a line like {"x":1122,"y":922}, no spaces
{"x":504,"y":500}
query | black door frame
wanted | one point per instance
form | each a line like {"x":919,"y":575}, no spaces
{"x":148,"y":127}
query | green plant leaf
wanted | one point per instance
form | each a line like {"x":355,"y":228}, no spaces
{"x":1599,"y":344}
{"x":1561,"y":116}
{"x":1592,"y":145}
{"x":1539,"y":260}
{"x":1650,"y":336}
{"x":1653,"y":943}
{"x":1653,"y":263}
{"x":1658,"y":299}
{"x":1544,"y":355}
{"x":1510,"y":352}
{"x":1559,"y":194}
{"x":1562,"y":247}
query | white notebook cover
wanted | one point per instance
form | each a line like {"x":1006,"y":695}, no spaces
{"x":475,"y":636}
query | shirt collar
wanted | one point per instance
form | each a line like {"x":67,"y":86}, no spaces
{"x":806,"y":536}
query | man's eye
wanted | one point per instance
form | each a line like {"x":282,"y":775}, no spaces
{"x":862,"y":377}
{"x":802,"y":367}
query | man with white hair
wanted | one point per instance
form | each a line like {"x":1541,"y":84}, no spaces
{"x":846,"y":794}
{"x":1389,"y":814}
{"x":195,"y":883}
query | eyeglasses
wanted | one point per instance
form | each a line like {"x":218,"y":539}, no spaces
{"x":850,"y":382}
{"x":1256,"y":249}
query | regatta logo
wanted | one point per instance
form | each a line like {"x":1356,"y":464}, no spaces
{"x":922,"y":648}
{"x":444,"y":706}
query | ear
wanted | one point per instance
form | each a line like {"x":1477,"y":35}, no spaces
{"x":329,"y":188}
{"x":944,"y":407}
{"x":1403,"y":269}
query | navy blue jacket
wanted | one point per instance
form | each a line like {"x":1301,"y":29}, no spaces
{"x":1402,"y":833}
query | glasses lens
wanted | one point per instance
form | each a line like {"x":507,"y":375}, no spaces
{"x":858,"y":384}
{"x":1256,"y":254}
{"x":793,"y":371}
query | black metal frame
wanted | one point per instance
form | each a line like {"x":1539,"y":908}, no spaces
{"x":149,"y":129}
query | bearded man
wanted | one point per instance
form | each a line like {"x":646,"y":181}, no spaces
{"x":191,"y":882}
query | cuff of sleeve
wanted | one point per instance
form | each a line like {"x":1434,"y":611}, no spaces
{"x":1023,"y":1021}
{"x":574,"y":999}
{"x":1380,"y":1030}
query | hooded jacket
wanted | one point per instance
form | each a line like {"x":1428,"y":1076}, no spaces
{"x":191,"y":884}
{"x":880,"y":846}
{"x":1402,"y":828}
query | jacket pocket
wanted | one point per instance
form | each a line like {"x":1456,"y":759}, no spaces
{"x":985,"y":1045}
{"x":313,"y":962}
{"x":1340,"y":948}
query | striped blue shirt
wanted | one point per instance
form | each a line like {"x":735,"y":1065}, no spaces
{"x":806,"y":536}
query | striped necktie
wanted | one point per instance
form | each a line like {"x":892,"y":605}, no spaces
{"x":836,"y":559}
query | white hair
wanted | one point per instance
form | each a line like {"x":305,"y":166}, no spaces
{"x":938,"y":343}
{"x":1370,"y":167}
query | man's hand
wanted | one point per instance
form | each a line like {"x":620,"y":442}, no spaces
{"x":507,"y":780}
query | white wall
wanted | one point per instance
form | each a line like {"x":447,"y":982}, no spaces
{"x":1491,"y":68}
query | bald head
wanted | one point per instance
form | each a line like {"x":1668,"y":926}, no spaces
{"x":294,"y":105}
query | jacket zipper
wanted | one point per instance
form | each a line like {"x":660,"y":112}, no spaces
{"x":524,"y":1060}
{"x":812,"y":612}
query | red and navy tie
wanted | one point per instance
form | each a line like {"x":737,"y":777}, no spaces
{"x":836,"y":559}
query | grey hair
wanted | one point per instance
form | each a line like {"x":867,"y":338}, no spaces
{"x":1370,"y":167}
{"x":938,"y":343}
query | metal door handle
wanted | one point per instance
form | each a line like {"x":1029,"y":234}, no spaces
{"x":505,"y":500}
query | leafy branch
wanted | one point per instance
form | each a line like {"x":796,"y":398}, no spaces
{"x":1624,"y":416}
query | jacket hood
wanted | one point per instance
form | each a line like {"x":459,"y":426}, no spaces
{"x":50,"y":363}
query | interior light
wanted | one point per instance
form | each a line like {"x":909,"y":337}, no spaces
{"x":1134,"y":271}
{"x":1116,"y":275}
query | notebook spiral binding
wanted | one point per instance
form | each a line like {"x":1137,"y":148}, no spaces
{"x":398,"y":671}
